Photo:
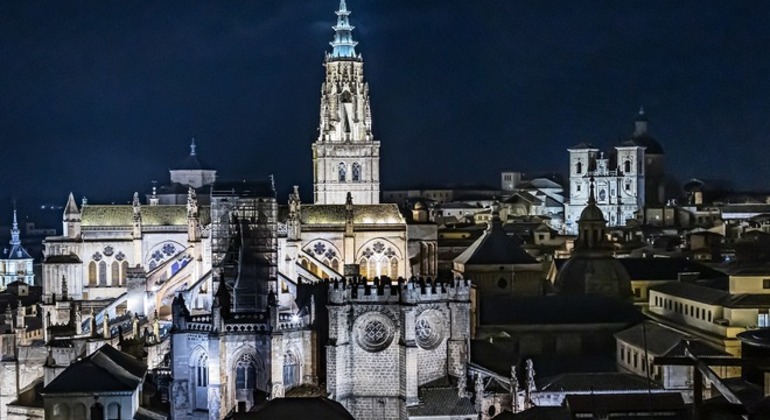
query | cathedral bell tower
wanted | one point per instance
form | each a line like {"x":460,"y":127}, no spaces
{"x":346,"y":158}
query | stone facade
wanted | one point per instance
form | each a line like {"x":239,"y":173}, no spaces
{"x":346,"y":157}
{"x":387,"y":339}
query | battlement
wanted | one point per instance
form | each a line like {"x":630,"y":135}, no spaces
{"x":385,"y":290}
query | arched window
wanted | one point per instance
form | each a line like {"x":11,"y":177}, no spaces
{"x":290,"y":370}
{"x":342,"y":171}
{"x":335,"y":265}
{"x":363,"y":266}
{"x":113,"y":411}
{"x":60,"y":411}
{"x":627,"y":166}
{"x":102,"y":273}
{"x":202,"y":371}
{"x":579,"y":167}
{"x":201,"y":381}
{"x":92,"y":274}
{"x":394,"y":268}
{"x":123,"y":271}
{"x":245,"y":373}
{"x":356,"y":172}
{"x":97,"y":411}
{"x":115,"y":273}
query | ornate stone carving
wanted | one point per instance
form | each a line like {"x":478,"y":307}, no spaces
{"x":429,"y":329}
{"x":374,"y":331}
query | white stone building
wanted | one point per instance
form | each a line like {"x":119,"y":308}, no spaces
{"x":16,"y":263}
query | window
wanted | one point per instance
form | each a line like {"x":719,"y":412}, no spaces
{"x":635,"y":359}
{"x":356,"y":172}
{"x":627,"y":166}
{"x":102,"y":273}
{"x":202,"y":371}
{"x":115,"y":273}
{"x":766,"y":283}
{"x":123,"y":271}
{"x":579,"y":167}
{"x":245,"y":373}
{"x":637,"y":292}
{"x":502,"y":283}
{"x":342,"y":171}
{"x":290,"y":369}
{"x":92,"y":274}
{"x":622,"y":353}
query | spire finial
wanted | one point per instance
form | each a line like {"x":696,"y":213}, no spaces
{"x":343,"y":43}
{"x":591,"y":196}
{"x":15,"y":229}
{"x":640,"y":125}
{"x":192,"y":147}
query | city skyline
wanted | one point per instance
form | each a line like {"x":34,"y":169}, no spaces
{"x":104,"y":98}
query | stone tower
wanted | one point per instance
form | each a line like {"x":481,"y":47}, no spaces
{"x":346,"y":158}
{"x":387,"y":339}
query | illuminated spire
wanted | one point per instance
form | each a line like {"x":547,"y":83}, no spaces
{"x":15,"y":230}
{"x":192,"y":147}
{"x":344,"y":45}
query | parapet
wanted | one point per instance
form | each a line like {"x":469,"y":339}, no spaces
{"x":385,"y":290}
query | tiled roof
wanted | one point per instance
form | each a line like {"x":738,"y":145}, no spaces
{"x":107,"y":369}
{"x":693,"y":292}
{"x":495,"y":247}
{"x":554,"y":310}
{"x":123,"y":215}
{"x":596,"y":382}
{"x":291,"y":408}
{"x":663,"y":341}
{"x":63,"y":259}
{"x":626,"y":403}
{"x":439,"y":398}
{"x":334,"y":214}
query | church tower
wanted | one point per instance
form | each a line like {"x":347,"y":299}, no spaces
{"x":346,"y":158}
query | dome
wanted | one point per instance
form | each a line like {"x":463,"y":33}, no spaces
{"x":593,"y":275}
{"x":592,"y":213}
{"x":652,"y":147}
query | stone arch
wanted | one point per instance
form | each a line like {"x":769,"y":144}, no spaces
{"x":292,"y":367}
{"x":199,"y":377}
{"x":379,"y":257}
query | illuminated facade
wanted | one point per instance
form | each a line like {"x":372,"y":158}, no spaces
{"x":15,"y":262}
{"x":346,"y":157}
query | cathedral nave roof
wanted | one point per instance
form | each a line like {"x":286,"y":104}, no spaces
{"x":335,"y":214}
{"x":123,"y":215}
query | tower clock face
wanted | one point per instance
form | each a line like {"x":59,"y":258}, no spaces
{"x":602,"y":195}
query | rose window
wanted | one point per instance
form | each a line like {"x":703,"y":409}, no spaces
{"x":374,"y":332}
{"x":319,"y":248}
{"x":108,"y":250}
{"x":428,"y":329}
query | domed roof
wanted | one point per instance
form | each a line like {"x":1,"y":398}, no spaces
{"x":586,"y":274}
{"x":642,"y":138}
{"x":652,"y":147}
{"x":592,"y":213}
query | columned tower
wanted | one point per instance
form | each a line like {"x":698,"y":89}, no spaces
{"x":346,"y":158}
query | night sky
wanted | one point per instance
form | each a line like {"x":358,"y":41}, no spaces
{"x":102,"y":97}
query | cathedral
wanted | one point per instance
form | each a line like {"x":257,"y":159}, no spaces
{"x":251,"y":300}
{"x":626,"y":180}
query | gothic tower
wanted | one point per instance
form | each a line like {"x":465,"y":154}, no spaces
{"x":346,"y":158}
